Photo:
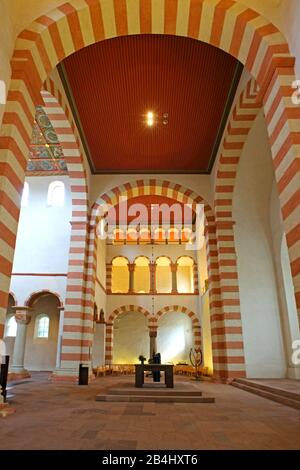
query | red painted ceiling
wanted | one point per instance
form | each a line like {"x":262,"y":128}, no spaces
{"x":115,"y":82}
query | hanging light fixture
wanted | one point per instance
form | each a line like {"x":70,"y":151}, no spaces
{"x":152,"y":118}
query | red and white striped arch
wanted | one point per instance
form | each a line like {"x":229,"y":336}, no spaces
{"x":78,"y":324}
{"x":225,"y":307}
{"x":189,"y":313}
{"x":110,"y":327}
{"x":226,"y":24}
{"x":239,"y":125}
{"x":228,"y":353}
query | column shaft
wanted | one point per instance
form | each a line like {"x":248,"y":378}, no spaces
{"x":23,"y":317}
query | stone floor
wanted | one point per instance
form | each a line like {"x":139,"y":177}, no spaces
{"x":58,"y":416}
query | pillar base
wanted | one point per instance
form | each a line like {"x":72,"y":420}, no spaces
{"x":293,"y":373}
{"x":227,"y":377}
{"x":68,"y":376}
{"x":17,"y":373}
{"x":65,"y":375}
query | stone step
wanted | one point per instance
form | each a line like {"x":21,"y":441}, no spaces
{"x":270,"y":388}
{"x":155,"y":391}
{"x":155,"y":398}
{"x":269,"y":395}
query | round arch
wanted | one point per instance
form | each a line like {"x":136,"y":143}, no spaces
{"x":14,"y":297}
{"x":36,"y":295}
{"x":148,"y":187}
{"x":128,"y":308}
{"x":110,"y":326}
{"x":239,"y":125}
{"x":227,"y":365}
{"x":120,"y":256}
{"x":230,"y":26}
{"x":189,"y":313}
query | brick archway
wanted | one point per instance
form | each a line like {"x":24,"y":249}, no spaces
{"x":227,"y":363}
{"x":189,"y":313}
{"x":228,"y":25}
{"x":110,"y":326}
{"x":240,"y":123}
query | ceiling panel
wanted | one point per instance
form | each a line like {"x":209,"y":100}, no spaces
{"x":112,"y":85}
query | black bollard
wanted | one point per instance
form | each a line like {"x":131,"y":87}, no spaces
{"x":3,"y":377}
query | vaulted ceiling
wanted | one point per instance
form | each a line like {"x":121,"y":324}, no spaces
{"x":113,"y":84}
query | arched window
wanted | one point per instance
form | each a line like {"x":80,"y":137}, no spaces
{"x":141,"y":275}
{"x":11,"y":326}
{"x":120,"y":276}
{"x":163,"y":275}
{"x":25,"y":195}
{"x":56,"y":194}
{"x":42,"y":324}
{"x":185,"y":275}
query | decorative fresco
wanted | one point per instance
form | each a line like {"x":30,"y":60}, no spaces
{"x":45,"y":154}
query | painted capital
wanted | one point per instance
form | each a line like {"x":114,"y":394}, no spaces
{"x":22,"y":315}
{"x":174,"y":267}
{"x":153,"y":332}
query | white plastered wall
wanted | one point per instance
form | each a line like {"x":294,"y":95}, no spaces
{"x":43,"y":242}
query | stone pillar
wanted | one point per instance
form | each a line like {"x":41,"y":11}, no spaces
{"x":174,"y":277}
{"x":196,"y":279}
{"x":60,"y":335}
{"x":23,"y":317}
{"x":153,"y":343}
{"x":227,"y":333}
{"x":131,"y":268}
{"x":98,"y":357}
{"x":109,"y":332}
{"x":152,"y":268}
{"x":108,"y":277}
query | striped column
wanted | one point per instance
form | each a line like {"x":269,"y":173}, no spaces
{"x":283,"y":121}
{"x":109,"y":344}
{"x":213,"y":290}
{"x":239,"y":126}
{"x":197,"y":333}
{"x":108,"y":277}
{"x":78,"y":324}
{"x":196,"y":278}
{"x":15,"y":139}
{"x":74,"y":347}
{"x":227,"y":330}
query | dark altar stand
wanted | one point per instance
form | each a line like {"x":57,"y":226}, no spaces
{"x":166,"y":368}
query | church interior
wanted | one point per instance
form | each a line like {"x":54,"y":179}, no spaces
{"x":150,"y":224}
